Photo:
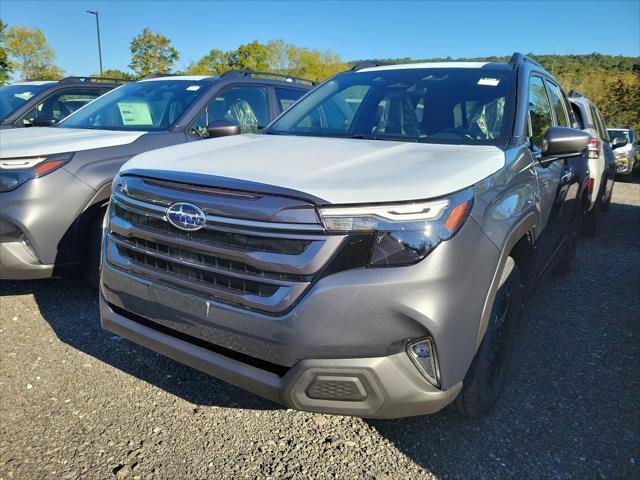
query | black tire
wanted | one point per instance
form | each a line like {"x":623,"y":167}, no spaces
{"x":94,"y":246}
{"x":485,"y":379}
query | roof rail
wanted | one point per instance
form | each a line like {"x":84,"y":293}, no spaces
{"x":257,"y":73}
{"x":94,"y":79}
{"x":518,"y":58}
{"x":368,"y":64}
{"x":158,"y":75}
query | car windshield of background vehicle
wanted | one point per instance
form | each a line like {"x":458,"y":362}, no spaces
{"x":429,"y":105}
{"x":613,"y":134}
{"x":13,"y":97}
{"x":148,"y":106}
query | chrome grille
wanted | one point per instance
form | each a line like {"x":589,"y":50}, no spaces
{"x":221,"y":237}
{"x":265,"y":266}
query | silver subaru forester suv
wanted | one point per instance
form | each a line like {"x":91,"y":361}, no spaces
{"x":369,"y":253}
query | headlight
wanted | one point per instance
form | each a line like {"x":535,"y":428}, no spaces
{"x":16,"y":171}
{"x":403,"y":234}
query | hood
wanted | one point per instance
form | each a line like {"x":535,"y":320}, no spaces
{"x":34,"y":141}
{"x":336,"y":170}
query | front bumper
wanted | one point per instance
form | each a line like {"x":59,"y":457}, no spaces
{"x":381,"y":387}
{"x":37,"y":229}
{"x":19,"y":262}
{"x":624,"y":165}
{"x":355,"y":322}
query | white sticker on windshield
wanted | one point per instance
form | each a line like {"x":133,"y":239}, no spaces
{"x":135,"y":113}
{"x":193,"y":88}
{"x":492,"y":82}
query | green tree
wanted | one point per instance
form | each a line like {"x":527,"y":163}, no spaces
{"x":314,"y":64}
{"x":114,"y":73}
{"x":5,"y":66}
{"x":249,"y":56}
{"x":213,"y":63}
{"x":152,"y":53}
{"x":278,"y":55}
{"x":31,"y":53}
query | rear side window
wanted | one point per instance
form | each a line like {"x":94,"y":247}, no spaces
{"x":562,"y":117}
{"x":287,"y":97}
{"x":539,"y":112}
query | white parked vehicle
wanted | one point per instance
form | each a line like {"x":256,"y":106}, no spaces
{"x":625,"y":149}
{"x":602,"y":164}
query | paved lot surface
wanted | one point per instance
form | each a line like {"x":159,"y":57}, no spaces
{"x":77,"y":402}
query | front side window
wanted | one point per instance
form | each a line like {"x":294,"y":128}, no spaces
{"x":246,"y":106}
{"x":152,"y":105}
{"x":13,"y":97}
{"x":428,"y":105}
{"x":555,"y":95}
{"x":62,"y":104}
{"x":539,"y":112}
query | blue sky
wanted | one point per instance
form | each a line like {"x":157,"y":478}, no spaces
{"x":374,"y":29}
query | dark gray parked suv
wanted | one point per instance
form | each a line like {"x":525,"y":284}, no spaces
{"x":44,"y":103}
{"x":55,"y":183}
{"x":369,"y":252}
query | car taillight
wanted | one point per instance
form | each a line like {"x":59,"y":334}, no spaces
{"x":594,"y":148}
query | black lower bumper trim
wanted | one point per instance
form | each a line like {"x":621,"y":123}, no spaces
{"x":274,"y":368}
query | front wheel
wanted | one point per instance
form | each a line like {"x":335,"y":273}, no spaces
{"x":485,"y":379}
{"x":94,"y":249}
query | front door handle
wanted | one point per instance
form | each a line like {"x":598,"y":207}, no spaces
{"x":567,"y":177}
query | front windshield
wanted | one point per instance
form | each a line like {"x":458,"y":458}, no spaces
{"x":622,"y":134}
{"x":13,"y":97}
{"x":148,"y":106}
{"x":430,"y":105}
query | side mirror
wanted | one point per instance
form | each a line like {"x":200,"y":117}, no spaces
{"x":562,"y":142}
{"x":619,"y":142}
{"x":44,"y":121}
{"x":222,"y":128}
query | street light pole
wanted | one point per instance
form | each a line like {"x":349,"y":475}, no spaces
{"x":98,"y":30}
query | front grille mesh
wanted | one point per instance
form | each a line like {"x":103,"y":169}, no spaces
{"x":151,"y":248}
{"x":193,"y":273}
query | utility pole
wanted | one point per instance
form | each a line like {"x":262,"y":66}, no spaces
{"x":98,"y":30}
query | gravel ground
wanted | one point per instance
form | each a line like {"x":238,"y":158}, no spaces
{"x":78,"y":402}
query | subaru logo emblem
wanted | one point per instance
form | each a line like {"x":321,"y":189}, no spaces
{"x":186,"y":216}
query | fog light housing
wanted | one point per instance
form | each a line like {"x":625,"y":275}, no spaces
{"x":423,"y":355}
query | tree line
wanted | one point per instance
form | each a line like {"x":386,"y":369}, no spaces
{"x":611,"y":82}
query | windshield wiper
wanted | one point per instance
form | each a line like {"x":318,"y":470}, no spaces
{"x":396,"y":138}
